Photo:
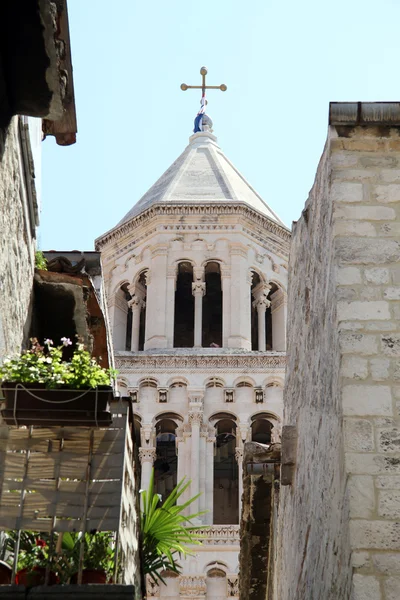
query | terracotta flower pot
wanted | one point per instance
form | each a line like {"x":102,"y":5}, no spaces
{"x":5,"y":573}
{"x":33,"y":404}
{"x":91,"y":576}
{"x":31,"y":577}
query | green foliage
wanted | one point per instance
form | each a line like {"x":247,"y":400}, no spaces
{"x":99,"y":551}
{"x":165,"y":534}
{"x":33,"y":549}
{"x":40,"y":261}
{"x":45,"y":364}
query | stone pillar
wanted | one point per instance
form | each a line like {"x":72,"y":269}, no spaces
{"x":156,"y":299}
{"x":195,"y":420}
{"x":203,"y":469}
{"x":240,"y":329}
{"x":147,"y":457}
{"x":136,"y":304}
{"x":279,"y":313}
{"x":170,"y":305}
{"x":226,"y":305}
{"x":118,"y":311}
{"x":239,"y":460}
{"x":198,"y":290}
{"x":261,"y":302}
{"x":209,"y":482}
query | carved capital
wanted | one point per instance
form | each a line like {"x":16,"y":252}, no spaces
{"x":195,"y":417}
{"x":147,"y":455}
{"x":136,"y":303}
{"x":198,"y":288}
{"x":198,"y":273}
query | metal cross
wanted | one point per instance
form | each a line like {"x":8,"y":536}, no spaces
{"x":203,"y":87}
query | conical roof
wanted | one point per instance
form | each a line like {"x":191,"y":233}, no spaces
{"x":201,"y":174}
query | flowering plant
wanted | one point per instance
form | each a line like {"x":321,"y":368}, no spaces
{"x":33,"y":549}
{"x":45,"y":364}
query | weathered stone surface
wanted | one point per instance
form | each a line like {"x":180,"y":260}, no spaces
{"x":354,"y":367}
{"x":365,"y":311}
{"x":16,"y":246}
{"x":359,"y":400}
{"x":360,"y":343}
{"x":387,"y":563}
{"x":377,"y":275}
{"x":392,"y":588}
{"x":362,"y":251}
{"x":358,"y":435}
{"x":348,"y":275}
{"x":377,"y":534}
{"x":379,"y":368}
{"x":366,"y":587}
{"x":362,"y":496}
{"x":390,"y":344}
{"x":387,"y":193}
{"x":347,"y":192}
{"x":389,"y":504}
{"x":368,"y":213}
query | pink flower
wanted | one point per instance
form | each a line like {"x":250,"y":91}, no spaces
{"x":66,"y":341}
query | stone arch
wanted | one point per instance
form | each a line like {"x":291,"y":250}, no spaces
{"x":244,"y":379}
{"x":214,"y":381}
{"x":120,"y":314}
{"x":216,"y":564}
{"x":214,"y":390}
{"x":179,"y":379}
{"x":148,"y":390}
{"x":118,"y":285}
{"x":274,"y":380}
{"x":265,"y":427}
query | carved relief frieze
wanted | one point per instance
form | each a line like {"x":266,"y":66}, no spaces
{"x":259,"y":395}
{"x":192,"y":585}
{"x":267,"y":225}
{"x":147,"y":455}
{"x":159,"y":363}
{"x":162,"y":395}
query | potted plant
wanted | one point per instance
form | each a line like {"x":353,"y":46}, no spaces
{"x":98,"y":555}
{"x":33,"y":558}
{"x":42,"y":388}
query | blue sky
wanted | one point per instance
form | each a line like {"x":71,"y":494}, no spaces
{"x":282,"y":62}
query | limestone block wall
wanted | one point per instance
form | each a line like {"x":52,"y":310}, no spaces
{"x":343,"y":389}
{"x":17,"y":243}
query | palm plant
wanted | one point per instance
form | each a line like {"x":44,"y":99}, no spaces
{"x":164,"y":529}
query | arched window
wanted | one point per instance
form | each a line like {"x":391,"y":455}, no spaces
{"x":166,"y":463}
{"x":261,"y":429}
{"x":212,"y":306}
{"x":122,"y":318}
{"x":226,"y":485}
{"x":137,"y":306}
{"x":184,"y":307}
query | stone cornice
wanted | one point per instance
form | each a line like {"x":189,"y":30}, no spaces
{"x":134,"y":363}
{"x":189,"y":209}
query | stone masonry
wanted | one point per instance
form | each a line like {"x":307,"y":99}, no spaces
{"x":339,"y":533}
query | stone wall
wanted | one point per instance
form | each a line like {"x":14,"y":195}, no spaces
{"x":344,"y":348}
{"x":17,"y":226}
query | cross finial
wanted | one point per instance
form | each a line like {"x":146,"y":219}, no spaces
{"x":203,"y":87}
{"x":202,"y":122}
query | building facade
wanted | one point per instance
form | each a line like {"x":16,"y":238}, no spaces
{"x":196,"y":284}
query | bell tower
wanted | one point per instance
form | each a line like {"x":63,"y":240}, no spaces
{"x":195,"y":278}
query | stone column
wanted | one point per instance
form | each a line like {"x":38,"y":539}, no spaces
{"x":240,"y":329}
{"x":136,"y":303}
{"x":203,"y":469}
{"x":195,"y":420}
{"x":209,"y":483}
{"x":147,"y":457}
{"x":239,"y":460}
{"x":198,"y":290}
{"x":261,"y":302}
{"x":279,"y":310}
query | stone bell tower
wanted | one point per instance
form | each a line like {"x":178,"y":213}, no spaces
{"x":195,"y":278}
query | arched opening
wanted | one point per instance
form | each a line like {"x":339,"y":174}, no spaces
{"x":261,"y":309}
{"x":261,"y":429}
{"x":122,"y":319}
{"x":184,"y":307}
{"x":142,"y":284}
{"x":166,"y":463}
{"x":226,"y":484}
{"x":212,"y":307}
{"x":216,"y":583}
